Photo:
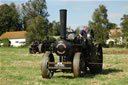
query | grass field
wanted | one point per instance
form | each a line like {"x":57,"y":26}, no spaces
{"x":18,"y":67}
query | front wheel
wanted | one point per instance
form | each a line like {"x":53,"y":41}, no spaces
{"x":46,"y":73}
{"x":79,"y":67}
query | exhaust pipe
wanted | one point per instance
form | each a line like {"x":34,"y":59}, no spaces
{"x":63,"y":17}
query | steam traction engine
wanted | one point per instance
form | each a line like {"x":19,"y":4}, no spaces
{"x":75,"y":55}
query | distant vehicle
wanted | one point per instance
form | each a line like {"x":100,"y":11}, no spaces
{"x":34,"y":47}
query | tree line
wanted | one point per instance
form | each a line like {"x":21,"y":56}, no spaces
{"x":33,"y":18}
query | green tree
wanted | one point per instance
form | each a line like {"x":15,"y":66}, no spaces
{"x":56,"y":28}
{"x":36,"y":29}
{"x":99,"y":24}
{"x":32,"y":9}
{"x":9,"y":18}
{"x":77,"y":30}
{"x":6,"y":42}
{"x":111,"y":25}
{"x":124,"y":25}
{"x":50,"y":29}
{"x":35,"y":19}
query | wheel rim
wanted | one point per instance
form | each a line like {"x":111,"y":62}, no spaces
{"x":76,"y":64}
{"x":46,"y":73}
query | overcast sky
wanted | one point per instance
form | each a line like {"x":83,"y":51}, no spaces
{"x":80,"y":11}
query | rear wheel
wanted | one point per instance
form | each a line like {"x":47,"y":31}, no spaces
{"x":46,"y":73}
{"x":96,"y":67}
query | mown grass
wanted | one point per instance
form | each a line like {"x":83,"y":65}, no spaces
{"x":18,"y":67}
